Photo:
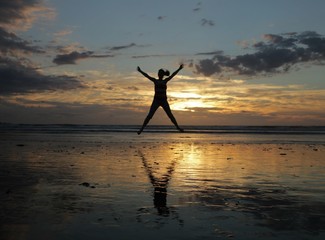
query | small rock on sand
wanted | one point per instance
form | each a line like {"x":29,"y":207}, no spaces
{"x":85,"y":184}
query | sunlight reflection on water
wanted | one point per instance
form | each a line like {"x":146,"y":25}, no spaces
{"x":92,"y":187}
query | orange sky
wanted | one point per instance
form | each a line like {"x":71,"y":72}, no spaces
{"x":64,"y":62}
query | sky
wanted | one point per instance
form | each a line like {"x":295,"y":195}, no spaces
{"x":252,"y":62}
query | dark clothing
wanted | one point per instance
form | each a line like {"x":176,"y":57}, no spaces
{"x":160,"y":99}
{"x":156,"y":103}
{"x":160,"y":89}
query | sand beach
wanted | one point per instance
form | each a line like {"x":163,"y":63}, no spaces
{"x":118,"y":185}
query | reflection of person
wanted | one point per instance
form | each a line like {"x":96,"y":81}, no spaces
{"x":160,"y":98}
{"x":160,"y":186}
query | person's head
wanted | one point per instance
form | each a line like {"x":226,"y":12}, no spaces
{"x":162,"y":73}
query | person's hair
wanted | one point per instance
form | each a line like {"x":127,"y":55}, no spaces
{"x":163,"y":72}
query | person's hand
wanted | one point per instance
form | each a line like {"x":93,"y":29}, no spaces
{"x":181,"y":66}
{"x":138,"y":68}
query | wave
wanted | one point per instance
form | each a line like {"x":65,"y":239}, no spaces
{"x":80,"y":128}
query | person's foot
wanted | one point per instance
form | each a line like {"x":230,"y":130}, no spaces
{"x":139,"y":132}
{"x":181,"y":129}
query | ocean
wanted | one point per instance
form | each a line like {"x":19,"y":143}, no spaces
{"x":227,"y":134}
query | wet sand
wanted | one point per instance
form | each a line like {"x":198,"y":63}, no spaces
{"x":159,"y":186}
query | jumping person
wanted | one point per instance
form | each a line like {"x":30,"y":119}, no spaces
{"x":160,"y":98}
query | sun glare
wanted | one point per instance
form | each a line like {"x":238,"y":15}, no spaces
{"x":180,"y":95}
{"x":189,"y":105}
{"x":188,"y":101}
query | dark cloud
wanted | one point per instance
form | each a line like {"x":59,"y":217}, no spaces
{"x":117,"y":48}
{"x":18,"y":78}
{"x":206,"y":22}
{"x":20,"y":13}
{"x":210,"y":53}
{"x":73,"y":57}
{"x":15,"y":9}
{"x":276,"y":54}
{"x":17,"y":73}
{"x":15,"y":14}
{"x":198,"y":7}
{"x":122,"y":47}
{"x":207,"y":67}
{"x":10,"y":43}
{"x":161,"y":18}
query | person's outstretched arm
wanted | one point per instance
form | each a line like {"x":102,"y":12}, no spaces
{"x":145,"y":74}
{"x":174,"y":73}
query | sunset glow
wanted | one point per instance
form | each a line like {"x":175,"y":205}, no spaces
{"x":188,"y":105}
{"x":76,"y":61}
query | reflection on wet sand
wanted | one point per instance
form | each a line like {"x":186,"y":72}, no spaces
{"x":272,"y":207}
{"x":160,"y":185}
{"x":263,"y":186}
{"x":89,"y":188}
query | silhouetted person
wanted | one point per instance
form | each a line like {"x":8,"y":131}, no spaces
{"x":160,"y":98}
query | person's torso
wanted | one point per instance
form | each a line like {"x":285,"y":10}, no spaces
{"x":160,"y":89}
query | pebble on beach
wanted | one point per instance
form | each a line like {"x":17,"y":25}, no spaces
{"x":86,"y":184}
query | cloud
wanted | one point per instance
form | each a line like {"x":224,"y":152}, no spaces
{"x":210,"y":53}
{"x":18,"y":74}
{"x":206,"y":22}
{"x":18,"y":78}
{"x":117,"y":48}
{"x":10,"y":43}
{"x":275,"y":54}
{"x":20,"y":14}
{"x":207,"y":67}
{"x":62,"y":33}
{"x":161,"y":18}
{"x":66,"y":49}
{"x":154,"y":55}
{"x":73,"y":57}
{"x":122,"y":47}
{"x":198,"y":7}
